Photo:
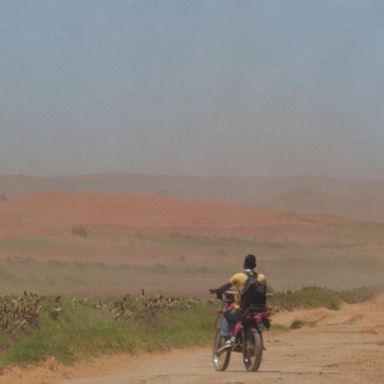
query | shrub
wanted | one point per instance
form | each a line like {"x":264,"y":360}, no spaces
{"x":307,"y":297}
{"x":79,"y":230}
{"x":357,"y":295}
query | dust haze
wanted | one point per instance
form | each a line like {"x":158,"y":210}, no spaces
{"x":178,"y":136}
{"x":267,"y":89}
{"x":78,"y":242}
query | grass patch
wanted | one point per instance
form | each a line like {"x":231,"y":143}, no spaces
{"x":34,"y":327}
{"x":363,"y":232}
{"x":76,"y":329}
{"x":316,"y":297}
{"x":358,"y":295}
{"x":24,"y":245}
{"x":307,"y":297}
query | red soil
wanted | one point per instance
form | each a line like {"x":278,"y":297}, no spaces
{"x":53,"y":214}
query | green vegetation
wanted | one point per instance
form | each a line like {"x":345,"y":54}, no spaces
{"x":316,"y":297}
{"x":349,"y":254}
{"x":307,"y":297}
{"x":100,"y":279}
{"x":33,"y":327}
{"x":357,"y":295}
{"x":186,"y":258}
{"x":363,"y":232}
{"x":30,"y":245}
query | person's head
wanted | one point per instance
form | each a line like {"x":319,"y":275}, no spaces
{"x":249,"y":262}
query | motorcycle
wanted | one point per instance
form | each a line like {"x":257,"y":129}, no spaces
{"x":247,"y":337}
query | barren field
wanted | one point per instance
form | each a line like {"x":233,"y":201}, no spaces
{"x":110,"y":244}
{"x":345,"y":346}
{"x":128,"y":242}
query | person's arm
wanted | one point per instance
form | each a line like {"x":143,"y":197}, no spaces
{"x":220,"y":290}
{"x":232,"y":281}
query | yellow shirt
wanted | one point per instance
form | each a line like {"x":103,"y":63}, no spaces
{"x":239,"y":279}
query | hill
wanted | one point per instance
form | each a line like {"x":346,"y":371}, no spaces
{"x":356,"y":199}
{"x":128,"y":241}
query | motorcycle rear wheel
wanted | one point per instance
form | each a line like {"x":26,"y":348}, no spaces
{"x":220,"y":361}
{"x":252,"y":350}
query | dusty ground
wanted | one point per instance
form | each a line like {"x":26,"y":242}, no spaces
{"x":198,"y":242}
{"x":52,"y":215}
{"x":345,"y":346}
{"x":122,"y":228}
{"x":359,"y":199}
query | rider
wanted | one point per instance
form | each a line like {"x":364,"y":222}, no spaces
{"x":238,"y":280}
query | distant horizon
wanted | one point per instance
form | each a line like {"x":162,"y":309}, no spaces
{"x":297,"y":176}
{"x":361,"y":199}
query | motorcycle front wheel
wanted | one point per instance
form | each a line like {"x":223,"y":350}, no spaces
{"x":220,"y":360}
{"x":252,"y":350}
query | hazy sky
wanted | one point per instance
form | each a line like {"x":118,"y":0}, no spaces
{"x":207,"y":87}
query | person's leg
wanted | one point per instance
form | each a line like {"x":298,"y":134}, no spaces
{"x":232,"y":316}
{"x":225,"y":328}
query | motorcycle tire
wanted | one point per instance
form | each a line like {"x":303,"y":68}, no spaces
{"x":220,"y":361}
{"x":252,"y":350}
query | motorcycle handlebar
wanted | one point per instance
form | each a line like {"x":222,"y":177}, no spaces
{"x":219,"y":295}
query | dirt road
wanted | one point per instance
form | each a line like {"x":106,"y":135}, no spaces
{"x":345,"y":346}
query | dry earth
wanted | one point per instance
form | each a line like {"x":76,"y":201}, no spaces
{"x":198,"y":242}
{"x":345,"y":346}
{"x":53,"y":214}
{"x":358,"y":199}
